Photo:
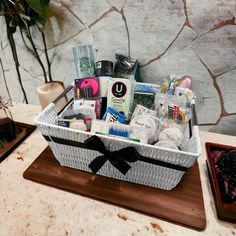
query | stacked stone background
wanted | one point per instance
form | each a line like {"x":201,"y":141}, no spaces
{"x":182,"y":37}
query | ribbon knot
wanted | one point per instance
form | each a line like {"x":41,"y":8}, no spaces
{"x":117,"y":158}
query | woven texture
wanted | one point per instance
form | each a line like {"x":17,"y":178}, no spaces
{"x":140,"y":172}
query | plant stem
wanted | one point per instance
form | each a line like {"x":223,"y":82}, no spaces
{"x":23,"y":39}
{"x":15,"y":56}
{"x":29,"y":36}
{"x":5,"y":81}
{"x":47,"y":58}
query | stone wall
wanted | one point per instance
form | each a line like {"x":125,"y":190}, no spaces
{"x":196,"y":38}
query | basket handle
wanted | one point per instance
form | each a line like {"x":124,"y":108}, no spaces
{"x":194,"y":116}
{"x":67,"y":90}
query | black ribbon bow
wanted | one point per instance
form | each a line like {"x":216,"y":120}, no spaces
{"x":118,"y":158}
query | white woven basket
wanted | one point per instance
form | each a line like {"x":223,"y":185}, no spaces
{"x":141,"y":172}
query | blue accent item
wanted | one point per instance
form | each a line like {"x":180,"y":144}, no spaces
{"x":118,"y":132}
{"x":144,"y":88}
{"x":114,"y":116}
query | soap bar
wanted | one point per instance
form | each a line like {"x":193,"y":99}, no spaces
{"x":172,"y":134}
{"x":147,"y":121}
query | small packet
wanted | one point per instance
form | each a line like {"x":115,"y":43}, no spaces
{"x":163,"y":100}
{"x":93,"y":103}
{"x":169,"y":84}
{"x":84,"y":60}
{"x":144,"y":99}
{"x":86,"y":88}
{"x":187,"y":94}
{"x":139,"y":110}
{"x":172,"y":107}
{"x":165,"y":123}
{"x":114,"y":116}
{"x":126,"y":67}
{"x":147,"y":121}
{"x":79,"y":113}
{"x":146,"y":88}
{"x":74,"y":124}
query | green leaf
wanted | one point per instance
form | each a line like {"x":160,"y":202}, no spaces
{"x":40,"y":23}
{"x":2,"y":12}
{"x":41,"y":7}
{"x":25,"y":17}
{"x":21,"y":7}
{"x":1,"y":9}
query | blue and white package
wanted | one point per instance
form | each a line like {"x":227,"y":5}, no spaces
{"x":114,"y":116}
{"x":145,"y":88}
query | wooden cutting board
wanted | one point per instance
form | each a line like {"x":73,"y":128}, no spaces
{"x":182,"y":205}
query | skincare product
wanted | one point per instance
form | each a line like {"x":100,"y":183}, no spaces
{"x":93,"y":103}
{"x":104,"y":71}
{"x":120,"y":95}
{"x":84,"y":61}
{"x":104,"y":68}
{"x":86,"y":87}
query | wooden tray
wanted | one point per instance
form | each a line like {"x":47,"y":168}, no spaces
{"x":183,"y":205}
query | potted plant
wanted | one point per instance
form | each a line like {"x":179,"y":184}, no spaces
{"x":7,"y":125}
{"x":11,"y":133}
{"x":23,"y":15}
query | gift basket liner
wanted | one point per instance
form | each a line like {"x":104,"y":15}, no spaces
{"x":147,"y":164}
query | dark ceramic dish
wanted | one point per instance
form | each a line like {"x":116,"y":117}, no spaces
{"x":221,"y":162}
{"x":23,"y":131}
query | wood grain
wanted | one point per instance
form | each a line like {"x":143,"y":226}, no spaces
{"x":184,"y":205}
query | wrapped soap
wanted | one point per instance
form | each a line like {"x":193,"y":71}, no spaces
{"x":139,"y":110}
{"x":172,"y":134}
{"x":147,"y":121}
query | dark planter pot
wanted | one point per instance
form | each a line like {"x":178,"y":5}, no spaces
{"x":221,"y":169}
{"x":11,"y":135}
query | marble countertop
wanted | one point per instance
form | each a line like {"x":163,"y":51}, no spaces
{"x":28,"y":208}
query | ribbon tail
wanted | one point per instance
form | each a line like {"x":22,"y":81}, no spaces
{"x":120,"y":164}
{"x":96,"y":164}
